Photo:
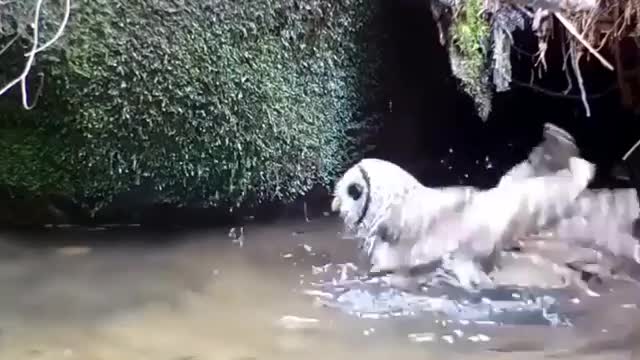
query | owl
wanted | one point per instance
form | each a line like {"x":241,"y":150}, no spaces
{"x":551,"y":155}
{"x":380,"y":203}
{"x":601,"y":219}
{"x":494,"y":218}
{"x":405,"y":225}
{"x":596,"y":234}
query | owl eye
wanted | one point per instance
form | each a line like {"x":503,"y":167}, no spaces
{"x":355,"y":191}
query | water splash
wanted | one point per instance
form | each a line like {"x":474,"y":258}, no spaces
{"x":376,"y":299}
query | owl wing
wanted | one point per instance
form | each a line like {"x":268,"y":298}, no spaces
{"x":604,"y":220}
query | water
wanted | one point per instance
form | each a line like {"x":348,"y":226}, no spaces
{"x":128,"y":294}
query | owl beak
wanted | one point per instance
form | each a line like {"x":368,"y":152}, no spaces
{"x":335,"y":204}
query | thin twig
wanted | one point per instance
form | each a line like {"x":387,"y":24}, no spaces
{"x":576,"y":69}
{"x":60,"y":31}
{"x":22,"y":78}
{"x":562,"y":94}
{"x":521,"y":51}
{"x":31,"y":55}
{"x":575,"y":33}
{"x":604,"y":40}
{"x":6,"y":47}
{"x":565,"y":59}
{"x":589,"y":20}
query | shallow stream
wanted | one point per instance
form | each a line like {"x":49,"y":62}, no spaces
{"x":124,"y":293}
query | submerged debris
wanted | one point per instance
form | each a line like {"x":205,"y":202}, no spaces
{"x":292,"y":322}
{"x":422,"y":337}
{"x":73,"y":250}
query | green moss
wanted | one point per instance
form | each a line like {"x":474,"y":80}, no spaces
{"x":470,"y":35}
{"x":32,"y":161}
{"x":214,"y":102}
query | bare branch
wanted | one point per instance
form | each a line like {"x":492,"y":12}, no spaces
{"x":6,"y":47}
{"x":569,"y":26}
{"x":563,"y":94}
{"x":60,"y":31}
{"x":565,"y":59}
{"x":575,"y":63}
{"x":22,"y":79}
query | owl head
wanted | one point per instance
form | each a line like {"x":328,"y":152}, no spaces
{"x":367,"y":188}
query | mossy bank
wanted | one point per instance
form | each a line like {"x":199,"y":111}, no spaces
{"x":206,"y":104}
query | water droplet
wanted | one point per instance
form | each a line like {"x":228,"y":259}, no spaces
{"x":448,"y":338}
{"x":421,"y":337}
{"x":296,"y":322}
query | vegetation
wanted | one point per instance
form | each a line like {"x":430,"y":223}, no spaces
{"x":210,"y":102}
{"x":479,"y":38}
{"x":470,"y":34}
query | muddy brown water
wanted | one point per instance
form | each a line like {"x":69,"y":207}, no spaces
{"x":128,"y":294}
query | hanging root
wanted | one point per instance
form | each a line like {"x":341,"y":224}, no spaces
{"x":575,"y":64}
{"x":31,"y":55}
{"x":590,"y":28}
{"x":572,"y":30}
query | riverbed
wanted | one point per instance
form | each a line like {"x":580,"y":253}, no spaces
{"x":127,"y":293}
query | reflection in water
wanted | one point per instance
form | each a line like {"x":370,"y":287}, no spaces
{"x":282,"y":292}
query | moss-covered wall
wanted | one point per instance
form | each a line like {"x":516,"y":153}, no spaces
{"x":209,"y":102}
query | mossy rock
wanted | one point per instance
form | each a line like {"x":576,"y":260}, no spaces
{"x":213,"y":103}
